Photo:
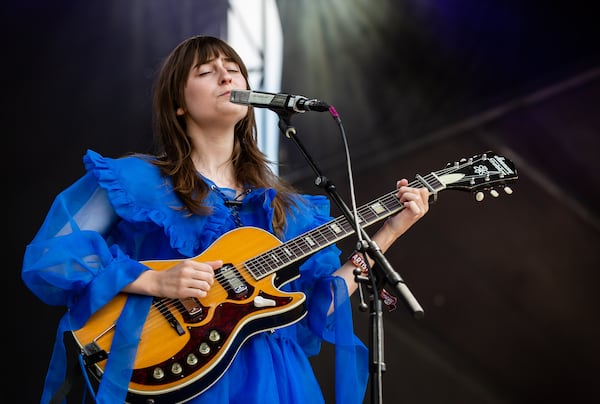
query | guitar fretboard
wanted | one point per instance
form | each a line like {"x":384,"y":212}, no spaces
{"x":479,"y":171}
{"x":332,"y":231}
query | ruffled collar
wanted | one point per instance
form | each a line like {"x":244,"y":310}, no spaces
{"x":139,"y":193}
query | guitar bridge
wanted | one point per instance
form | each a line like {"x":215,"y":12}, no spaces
{"x":92,"y":353}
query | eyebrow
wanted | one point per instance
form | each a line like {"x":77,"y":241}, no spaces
{"x":224,"y":58}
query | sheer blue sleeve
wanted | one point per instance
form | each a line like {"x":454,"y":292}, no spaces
{"x":70,"y":262}
{"x":322,"y":289}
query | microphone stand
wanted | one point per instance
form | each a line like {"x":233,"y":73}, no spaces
{"x":383,"y":270}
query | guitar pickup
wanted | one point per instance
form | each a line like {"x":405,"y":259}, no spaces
{"x":233,"y":281}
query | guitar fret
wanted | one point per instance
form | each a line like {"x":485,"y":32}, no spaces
{"x":303,"y":246}
{"x":274,"y":258}
{"x":283,"y":254}
{"x":319,"y":237}
{"x":278,"y":257}
{"x":287,"y":251}
{"x":335,"y":228}
{"x":309,"y":240}
{"x":254,"y":267}
{"x":377,"y":208}
{"x":347,"y":226}
{"x":432,"y":183}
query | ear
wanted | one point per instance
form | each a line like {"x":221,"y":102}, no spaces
{"x":179,"y":111}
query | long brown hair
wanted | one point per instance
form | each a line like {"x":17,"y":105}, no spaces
{"x":173,"y":144}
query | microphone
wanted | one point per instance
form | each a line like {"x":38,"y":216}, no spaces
{"x":277,"y":102}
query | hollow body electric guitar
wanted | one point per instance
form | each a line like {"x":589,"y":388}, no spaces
{"x":187,"y":344}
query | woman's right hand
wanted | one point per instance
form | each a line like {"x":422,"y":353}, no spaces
{"x":187,"y":278}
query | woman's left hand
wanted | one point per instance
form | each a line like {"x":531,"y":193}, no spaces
{"x":416,"y":205}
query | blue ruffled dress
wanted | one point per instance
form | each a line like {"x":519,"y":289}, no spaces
{"x":120,"y":213}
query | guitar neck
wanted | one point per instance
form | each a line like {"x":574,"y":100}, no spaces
{"x":333,"y":231}
{"x":476,"y":173}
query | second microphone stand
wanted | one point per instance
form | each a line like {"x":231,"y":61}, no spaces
{"x":381,"y":272}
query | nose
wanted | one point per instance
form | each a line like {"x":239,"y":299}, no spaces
{"x":225,"y":76}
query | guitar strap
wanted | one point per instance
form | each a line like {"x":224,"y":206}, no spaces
{"x":73,"y":385}
{"x":123,"y":348}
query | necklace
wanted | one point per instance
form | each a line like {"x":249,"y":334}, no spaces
{"x":233,"y":204}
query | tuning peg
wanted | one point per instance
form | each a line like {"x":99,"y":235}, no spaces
{"x":508,"y":190}
{"x":494,"y":193}
{"x":479,"y":196}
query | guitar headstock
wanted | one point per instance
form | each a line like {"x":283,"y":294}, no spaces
{"x":483,"y":172}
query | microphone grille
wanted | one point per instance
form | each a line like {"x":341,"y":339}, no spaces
{"x":240,"y":96}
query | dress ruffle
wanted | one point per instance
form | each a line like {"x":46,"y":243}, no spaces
{"x":130,"y":196}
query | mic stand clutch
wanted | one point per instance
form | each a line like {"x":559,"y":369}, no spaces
{"x":381,"y":272}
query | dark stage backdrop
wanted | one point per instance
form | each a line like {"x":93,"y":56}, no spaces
{"x":508,"y":285}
